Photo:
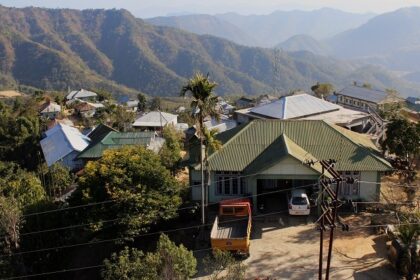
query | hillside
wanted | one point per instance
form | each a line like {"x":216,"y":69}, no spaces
{"x":205,"y":25}
{"x":269,"y":30}
{"x":304,"y":43}
{"x":391,"y":39}
{"x":61,"y":48}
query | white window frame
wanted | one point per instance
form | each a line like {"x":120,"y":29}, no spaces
{"x":224,"y":183}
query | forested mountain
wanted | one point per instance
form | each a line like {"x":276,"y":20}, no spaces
{"x":61,"y":48}
{"x":391,"y":39}
{"x":305,"y":43}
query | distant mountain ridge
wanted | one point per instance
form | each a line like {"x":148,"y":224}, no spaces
{"x":268,"y":30}
{"x":391,"y":39}
{"x":111,"y":49}
{"x":305,"y":43}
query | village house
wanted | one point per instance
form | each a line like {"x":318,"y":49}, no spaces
{"x":304,"y":106}
{"x":87,"y":109}
{"x":155,"y":121}
{"x":62,"y":144}
{"x":264,"y":156}
{"x":82,"y":94}
{"x":114,"y":140}
{"x":364,"y":98}
{"x":50,"y":110}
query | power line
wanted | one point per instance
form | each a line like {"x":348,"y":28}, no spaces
{"x":54,"y":272}
{"x":179,"y":209}
{"x":121,"y":239}
{"x":76,"y":269}
{"x":114,"y":200}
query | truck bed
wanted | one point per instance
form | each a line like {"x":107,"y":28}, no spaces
{"x":226,"y":229}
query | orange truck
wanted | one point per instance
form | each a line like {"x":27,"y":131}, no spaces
{"x":232,"y":227}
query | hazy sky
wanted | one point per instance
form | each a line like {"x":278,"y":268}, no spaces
{"x":149,"y":8}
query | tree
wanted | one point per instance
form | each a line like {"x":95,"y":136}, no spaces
{"x":169,"y":262}
{"x":156,"y":103}
{"x":204,"y":104}
{"x":103,"y":95}
{"x":20,"y":134}
{"x":58,"y":179}
{"x":22,"y":186}
{"x":322,"y":90}
{"x":403,"y":138}
{"x":142,"y":102}
{"x":143,"y":189}
{"x":170,"y":153}
{"x":115,"y":116}
{"x":223,"y":263}
{"x":10,"y":223}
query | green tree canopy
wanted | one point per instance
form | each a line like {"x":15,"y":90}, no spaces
{"x":169,"y":262}
{"x":22,"y":186}
{"x":322,"y":89}
{"x":156,"y":103}
{"x":20,"y":133}
{"x":170,"y":153}
{"x":403,"y":138}
{"x":143,"y":189}
{"x":142,"y":102}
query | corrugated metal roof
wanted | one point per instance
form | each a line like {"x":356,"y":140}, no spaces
{"x":155,"y":119}
{"x":244,"y":144}
{"x":295,"y":106}
{"x":281,"y":147}
{"x":50,"y":107}
{"x":114,"y":140}
{"x":80,"y":94}
{"x":62,"y":140}
{"x":363,"y":93}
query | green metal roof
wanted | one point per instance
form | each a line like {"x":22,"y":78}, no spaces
{"x":257,"y":143}
{"x":115,"y":140}
{"x":282,"y":147}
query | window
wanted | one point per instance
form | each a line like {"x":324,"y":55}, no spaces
{"x":229,"y":183}
{"x":350,"y":189}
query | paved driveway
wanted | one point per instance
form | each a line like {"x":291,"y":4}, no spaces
{"x":287,"y":247}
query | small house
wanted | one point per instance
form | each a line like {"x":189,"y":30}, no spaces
{"x":155,"y":121}
{"x":50,"y":110}
{"x":62,"y":144}
{"x":82,"y":94}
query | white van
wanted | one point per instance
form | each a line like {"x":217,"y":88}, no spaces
{"x":299,"y":203}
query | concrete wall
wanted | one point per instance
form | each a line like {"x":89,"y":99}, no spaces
{"x":369,"y":192}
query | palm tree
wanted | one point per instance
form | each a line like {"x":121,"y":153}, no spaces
{"x":204,"y":104}
{"x":408,"y":260}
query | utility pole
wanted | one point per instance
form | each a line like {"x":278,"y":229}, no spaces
{"x":329,"y":204}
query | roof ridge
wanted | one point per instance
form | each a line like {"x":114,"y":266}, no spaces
{"x":333,"y":127}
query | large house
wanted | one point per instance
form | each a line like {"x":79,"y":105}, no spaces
{"x":263,"y":157}
{"x":364,"y":98}
{"x":62,"y":144}
{"x":304,"y":106}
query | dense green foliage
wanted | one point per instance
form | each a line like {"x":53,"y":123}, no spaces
{"x":170,"y":154}
{"x":20,"y":130}
{"x":143,"y":189}
{"x":403,"y":138}
{"x":169,"y":262}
